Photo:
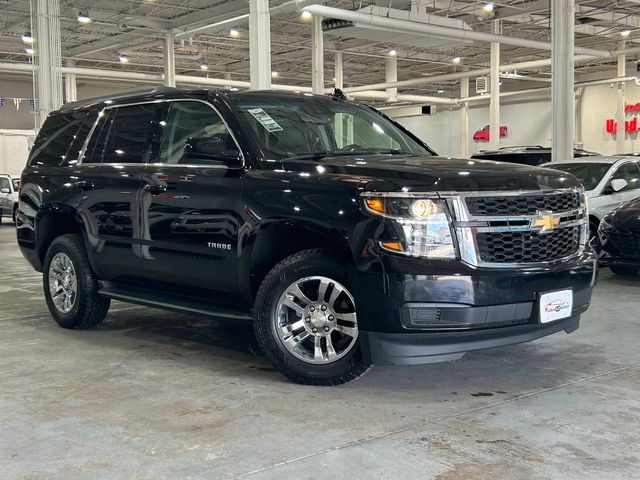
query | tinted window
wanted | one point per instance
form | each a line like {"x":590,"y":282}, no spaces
{"x":193,"y":133}
{"x":631,"y":173}
{"x":80,"y":137}
{"x":125,"y":134}
{"x":54,"y":138}
{"x":315,"y":127}
{"x":589,"y":174}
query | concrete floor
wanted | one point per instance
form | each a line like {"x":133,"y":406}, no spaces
{"x":157,"y":395}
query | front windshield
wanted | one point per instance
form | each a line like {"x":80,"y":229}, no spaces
{"x":312,"y":128}
{"x":589,"y":174}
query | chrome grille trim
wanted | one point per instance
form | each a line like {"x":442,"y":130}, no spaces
{"x":467,"y":225}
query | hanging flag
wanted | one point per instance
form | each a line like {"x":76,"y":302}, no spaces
{"x":32,"y":102}
{"x":16,"y":102}
{"x":1,"y":102}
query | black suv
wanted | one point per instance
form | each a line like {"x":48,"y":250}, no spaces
{"x":339,"y":233}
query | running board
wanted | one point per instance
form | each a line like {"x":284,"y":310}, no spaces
{"x":168,"y":301}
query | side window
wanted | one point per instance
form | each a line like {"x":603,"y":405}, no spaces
{"x":629,"y":172}
{"x":54,"y":138}
{"x":194,"y":134}
{"x":124,"y":134}
{"x":4,"y":183}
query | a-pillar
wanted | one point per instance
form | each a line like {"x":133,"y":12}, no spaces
{"x":562,"y":79}
{"x":620,"y":115}
{"x":48,"y":58}
{"x":169,"y":61}
{"x":260,"y":45}
{"x":317,"y":56}
{"x":494,"y":101}
{"x":70,"y":86}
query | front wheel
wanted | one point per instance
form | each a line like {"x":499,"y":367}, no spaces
{"x":70,"y":286}
{"x":306,"y":322}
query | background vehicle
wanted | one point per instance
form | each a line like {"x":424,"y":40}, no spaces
{"x":609,"y":182}
{"x":525,"y":154}
{"x":340,"y":234}
{"x":620,"y":238}
{"x":9,"y":187}
{"x":484,"y":133}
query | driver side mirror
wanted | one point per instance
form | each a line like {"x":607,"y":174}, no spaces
{"x":615,"y":185}
{"x":5,"y":190}
{"x":209,"y":150}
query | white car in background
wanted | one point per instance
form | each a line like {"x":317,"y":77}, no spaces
{"x":9,"y":186}
{"x":609,"y":182}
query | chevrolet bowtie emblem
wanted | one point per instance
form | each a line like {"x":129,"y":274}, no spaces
{"x":545,"y":220}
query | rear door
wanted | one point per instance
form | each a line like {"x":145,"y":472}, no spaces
{"x":110,"y":174}
{"x":192,"y":202}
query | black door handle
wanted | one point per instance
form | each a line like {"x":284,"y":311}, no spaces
{"x":155,"y":188}
{"x":85,"y":185}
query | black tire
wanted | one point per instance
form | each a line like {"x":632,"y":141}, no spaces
{"x":89,"y":308}
{"x":624,"y":270}
{"x":317,"y":262}
{"x":13,"y":213}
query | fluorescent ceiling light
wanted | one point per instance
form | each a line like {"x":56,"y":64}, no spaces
{"x":274,"y":74}
{"x":456,"y":59}
{"x":233,"y":33}
{"x":204,"y":66}
{"x":123,"y":58}
{"x":27,"y":38}
{"x":84,"y":17}
{"x":29,"y":50}
{"x":488,"y":7}
{"x":625,"y":33}
{"x":306,"y":15}
{"x":392,"y":53}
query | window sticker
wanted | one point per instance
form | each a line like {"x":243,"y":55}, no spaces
{"x":265,"y":120}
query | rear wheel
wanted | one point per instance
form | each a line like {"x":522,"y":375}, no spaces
{"x":624,"y":270}
{"x":70,"y":286}
{"x":13,"y":214}
{"x":306,"y":321}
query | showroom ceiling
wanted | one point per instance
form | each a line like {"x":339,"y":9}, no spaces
{"x":134,"y":28}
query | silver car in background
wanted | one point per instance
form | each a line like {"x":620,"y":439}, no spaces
{"x":609,"y":182}
{"x":9,"y":186}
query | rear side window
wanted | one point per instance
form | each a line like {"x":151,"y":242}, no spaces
{"x":124,"y":134}
{"x":56,"y":135}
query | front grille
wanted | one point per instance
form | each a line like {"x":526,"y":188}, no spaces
{"x":528,"y":246}
{"x":523,"y":205}
{"x":625,"y":241}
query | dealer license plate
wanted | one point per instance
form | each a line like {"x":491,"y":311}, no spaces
{"x":555,"y":305}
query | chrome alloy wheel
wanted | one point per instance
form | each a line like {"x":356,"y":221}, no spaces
{"x":316,"y":320}
{"x":63,"y":282}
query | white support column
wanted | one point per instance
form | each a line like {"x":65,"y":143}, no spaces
{"x":494,"y":103}
{"x":562,"y":79}
{"x":169,"y":61}
{"x":391,"y":76}
{"x":620,"y":115}
{"x":464,"y":119}
{"x":48,"y":59}
{"x":317,"y":56}
{"x":579,"y":143}
{"x":260,"y":44}
{"x":70,"y":87}
{"x":337,"y":71}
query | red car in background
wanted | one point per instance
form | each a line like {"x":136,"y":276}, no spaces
{"x":483,"y":134}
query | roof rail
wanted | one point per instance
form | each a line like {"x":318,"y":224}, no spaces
{"x":117,"y":96}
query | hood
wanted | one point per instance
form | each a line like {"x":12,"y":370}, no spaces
{"x":627,"y":216}
{"x":388,"y":173}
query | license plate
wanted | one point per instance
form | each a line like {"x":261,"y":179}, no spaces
{"x":555,"y":305}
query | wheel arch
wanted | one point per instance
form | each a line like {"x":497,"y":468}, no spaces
{"x":270,"y":243}
{"x":52,"y":222}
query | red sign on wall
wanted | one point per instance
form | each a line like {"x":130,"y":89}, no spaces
{"x":630,"y":126}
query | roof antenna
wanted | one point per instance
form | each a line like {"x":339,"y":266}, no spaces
{"x":339,"y":94}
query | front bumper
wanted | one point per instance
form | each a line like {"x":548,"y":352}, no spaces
{"x":460,"y":308}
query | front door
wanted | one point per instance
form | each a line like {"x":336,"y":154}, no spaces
{"x":630,"y":172}
{"x":191,"y":204}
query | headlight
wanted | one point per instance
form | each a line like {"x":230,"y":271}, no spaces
{"x":421,"y":225}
